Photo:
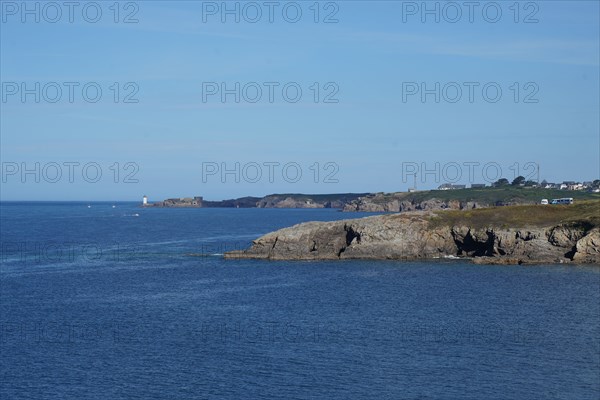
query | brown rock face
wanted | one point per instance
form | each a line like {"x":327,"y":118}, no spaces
{"x":289,"y":202}
{"x":306,"y":201}
{"x":587,"y":249}
{"x":390,"y":204}
{"x":410,"y":236}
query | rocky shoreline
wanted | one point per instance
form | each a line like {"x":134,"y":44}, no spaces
{"x":338,"y":201}
{"x":428,"y":235}
{"x":370,"y":204}
{"x":463,"y":199}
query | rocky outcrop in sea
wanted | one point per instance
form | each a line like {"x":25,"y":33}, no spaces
{"x":410,"y":236}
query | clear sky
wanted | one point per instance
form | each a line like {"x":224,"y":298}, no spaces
{"x":366,"y":128}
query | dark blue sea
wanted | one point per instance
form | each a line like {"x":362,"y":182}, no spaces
{"x":106,"y":302}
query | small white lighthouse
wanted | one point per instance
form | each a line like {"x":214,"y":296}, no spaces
{"x":145,"y":200}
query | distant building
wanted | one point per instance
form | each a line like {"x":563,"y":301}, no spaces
{"x":477,"y":185}
{"x":450,"y":186}
{"x":571,"y":185}
{"x":145,"y":200}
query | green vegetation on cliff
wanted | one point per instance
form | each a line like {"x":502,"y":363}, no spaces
{"x":491,"y":195}
{"x":530,"y":234}
{"x":520,"y":216}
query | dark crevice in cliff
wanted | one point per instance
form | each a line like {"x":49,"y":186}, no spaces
{"x":472,"y":247}
{"x":571,"y":254}
{"x":351,"y":234}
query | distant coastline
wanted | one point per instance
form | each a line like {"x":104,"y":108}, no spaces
{"x":430,"y":200}
{"x":293,"y":200}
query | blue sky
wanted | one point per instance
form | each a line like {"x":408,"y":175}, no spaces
{"x":361,"y":143}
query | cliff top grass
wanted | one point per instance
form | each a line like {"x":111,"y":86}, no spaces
{"x":521,"y":216}
{"x":490,"y":195}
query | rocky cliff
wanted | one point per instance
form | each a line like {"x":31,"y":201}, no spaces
{"x":292,"y":200}
{"x":183,"y":202}
{"x":404,"y":202}
{"x":426,"y":235}
{"x":461,"y":199}
{"x":308,"y":201}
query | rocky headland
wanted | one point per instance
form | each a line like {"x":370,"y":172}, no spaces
{"x":291,"y":200}
{"x":380,"y":203}
{"x":461,"y":199}
{"x":429,"y":200}
{"x":504,"y":235}
{"x":308,"y":201}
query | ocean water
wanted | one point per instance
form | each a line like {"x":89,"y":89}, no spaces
{"x":127,"y":303}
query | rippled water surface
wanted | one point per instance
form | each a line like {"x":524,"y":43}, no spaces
{"x":109,"y":303}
